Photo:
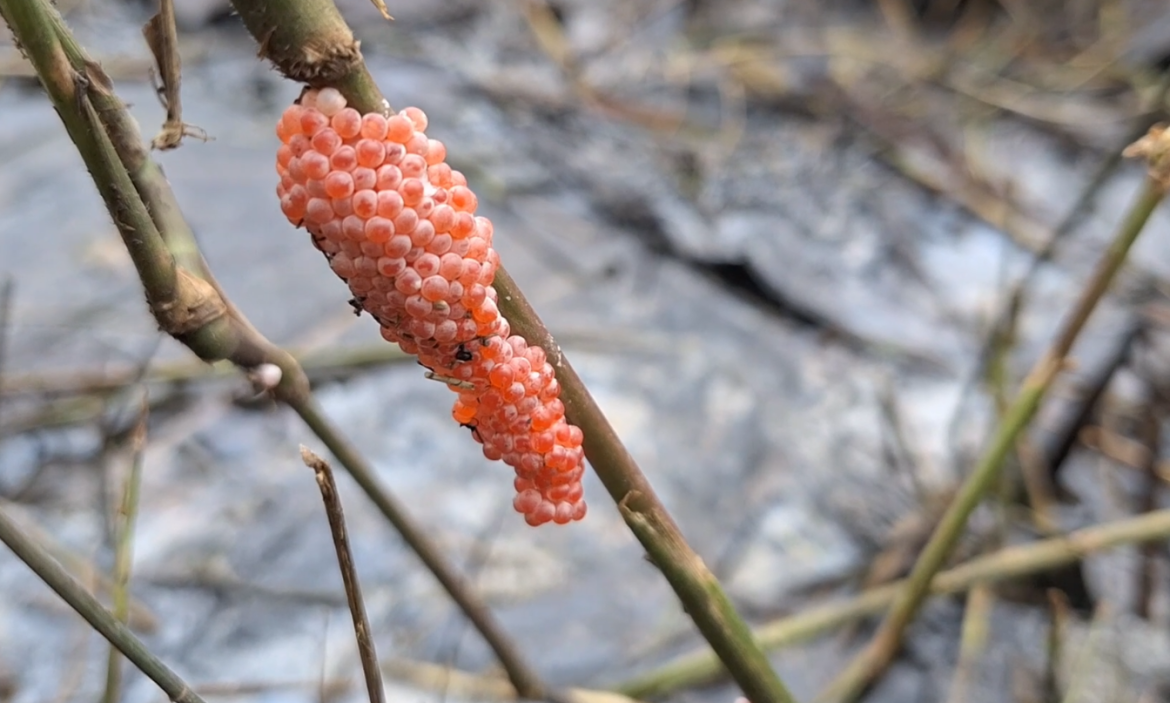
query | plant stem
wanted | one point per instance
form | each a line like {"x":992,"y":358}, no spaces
{"x":89,"y":608}
{"x":695,"y":585}
{"x":309,"y":42}
{"x":972,"y":642}
{"x":33,"y":23}
{"x":703,"y":667}
{"x":882,"y":649}
{"x":139,"y":617}
{"x":123,"y":550}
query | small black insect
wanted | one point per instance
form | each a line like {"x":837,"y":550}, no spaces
{"x":462,"y":354}
{"x":474,"y":431}
{"x":357,"y":306}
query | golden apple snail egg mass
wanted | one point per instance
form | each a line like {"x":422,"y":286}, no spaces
{"x":398,"y":225}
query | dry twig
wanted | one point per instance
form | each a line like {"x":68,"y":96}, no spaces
{"x":353,"y":591}
{"x":163,"y":40}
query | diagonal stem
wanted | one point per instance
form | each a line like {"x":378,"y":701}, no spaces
{"x":646,"y":516}
{"x":89,"y":608}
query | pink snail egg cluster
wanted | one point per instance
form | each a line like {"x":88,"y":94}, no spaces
{"x":398,"y":225}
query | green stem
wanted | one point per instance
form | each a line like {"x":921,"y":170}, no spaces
{"x":139,"y":618}
{"x":123,"y":552}
{"x":884,"y":646}
{"x":89,"y":608}
{"x":646,"y":516}
{"x":68,"y":85}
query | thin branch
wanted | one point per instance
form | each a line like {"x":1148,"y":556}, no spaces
{"x":523,"y":677}
{"x":123,"y":549}
{"x":972,"y":642}
{"x":881,"y":650}
{"x":693,"y":583}
{"x":89,"y":608}
{"x":139,"y":617}
{"x":1016,"y":298}
{"x":353,"y":590}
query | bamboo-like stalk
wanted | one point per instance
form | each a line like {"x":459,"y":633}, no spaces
{"x":309,"y":42}
{"x":703,"y":667}
{"x":882,"y":649}
{"x":89,"y":608}
{"x":68,"y":86}
{"x":284,"y":28}
{"x":183,"y":295}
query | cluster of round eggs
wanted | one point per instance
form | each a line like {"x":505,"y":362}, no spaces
{"x":398,"y":225}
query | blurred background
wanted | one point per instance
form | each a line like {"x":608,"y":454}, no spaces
{"x":800,"y":252}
